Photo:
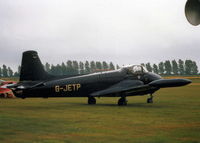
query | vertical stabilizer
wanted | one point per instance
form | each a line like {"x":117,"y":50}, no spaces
{"x":32,"y":68}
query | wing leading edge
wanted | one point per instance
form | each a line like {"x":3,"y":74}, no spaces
{"x":137,"y":87}
{"x":126,"y":88}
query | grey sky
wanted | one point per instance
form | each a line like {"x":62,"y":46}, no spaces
{"x":122,"y":31}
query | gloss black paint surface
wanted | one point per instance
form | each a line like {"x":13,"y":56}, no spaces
{"x":127,"y":81}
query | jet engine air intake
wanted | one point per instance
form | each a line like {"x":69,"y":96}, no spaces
{"x":192,"y":12}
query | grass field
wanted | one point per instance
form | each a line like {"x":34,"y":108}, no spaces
{"x":174,"y":117}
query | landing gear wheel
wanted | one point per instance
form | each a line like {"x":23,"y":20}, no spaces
{"x":150,"y":100}
{"x":91,"y":100}
{"x":23,"y":97}
{"x":122,"y":101}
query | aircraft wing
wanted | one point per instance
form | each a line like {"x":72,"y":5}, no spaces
{"x":127,"y":87}
{"x":137,"y":87}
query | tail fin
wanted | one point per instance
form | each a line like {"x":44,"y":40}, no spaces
{"x":32,"y":68}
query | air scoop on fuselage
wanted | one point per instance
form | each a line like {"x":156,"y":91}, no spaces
{"x":149,"y":77}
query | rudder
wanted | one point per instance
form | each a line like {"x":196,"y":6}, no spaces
{"x":32,"y":68}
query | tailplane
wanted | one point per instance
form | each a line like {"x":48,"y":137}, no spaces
{"x":32,"y":68}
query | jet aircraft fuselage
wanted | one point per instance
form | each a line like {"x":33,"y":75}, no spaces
{"x":128,"y":81}
{"x":82,"y":86}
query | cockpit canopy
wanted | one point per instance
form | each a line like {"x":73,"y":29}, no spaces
{"x":136,"y":69}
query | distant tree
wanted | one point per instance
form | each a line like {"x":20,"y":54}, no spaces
{"x":105,"y":65}
{"x":98,"y":65}
{"x":111,"y":66}
{"x":148,"y":66}
{"x":63,"y":68}
{"x":59,"y":70}
{"x":87,"y":67}
{"x":168,"y":67}
{"x":161,"y":68}
{"x":5,"y":71}
{"x":69,"y":67}
{"x":175,"y":67}
{"x":92,"y":66}
{"x":194,"y":68}
{"x":75,"y":67}
{"x":10,"y":72}
{"x":117,"y":67}
{"x":181,"y":69}
{"x":188,"y":67}
{"x":81,"y":68}
{"x":0,"y":72}
{"x":53,"y":70}
{"x":155,"y":68}
{"x":47,"y":67}
{"x":16,"y":74}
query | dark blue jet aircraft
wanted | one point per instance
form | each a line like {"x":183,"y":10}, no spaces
{"x":128,"y":81}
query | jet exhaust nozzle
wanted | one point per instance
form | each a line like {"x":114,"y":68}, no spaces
{"x":162,"y":83}
{"x":192,"y":12}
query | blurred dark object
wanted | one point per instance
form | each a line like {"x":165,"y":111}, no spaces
{"x":192,"y":11}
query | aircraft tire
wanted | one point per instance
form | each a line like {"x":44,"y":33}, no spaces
{"x":122,"y":101}
{"x":149,"y":100}
{"x":23,"y":97}
{"x":91,"y":100}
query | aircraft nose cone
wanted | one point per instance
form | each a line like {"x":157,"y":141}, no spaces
{"x":181,"y":82}
{"x":186,"y":81}
{"x":170,"y":82}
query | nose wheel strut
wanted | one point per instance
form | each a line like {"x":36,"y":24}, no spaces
{"x":122,"y":101}
{"x":91,"y":100}
{"x":150,"y":99}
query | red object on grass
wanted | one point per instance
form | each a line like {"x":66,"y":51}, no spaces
{"x":5,"y":92}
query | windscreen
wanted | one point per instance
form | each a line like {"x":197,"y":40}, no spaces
{"x":137,"y":69}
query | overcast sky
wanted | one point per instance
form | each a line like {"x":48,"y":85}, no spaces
{"x":122,"y":31}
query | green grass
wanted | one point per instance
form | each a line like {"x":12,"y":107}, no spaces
{"x":173,"y":117}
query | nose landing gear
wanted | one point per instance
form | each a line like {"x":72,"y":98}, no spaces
{"x":150,"y":100}
{"x":122,"y":101}
{"x":91,"y":100}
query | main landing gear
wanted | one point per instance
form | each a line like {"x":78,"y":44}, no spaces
{"x":150,"y":100}
{"x":122,"y":101}
{"x":91,"y":100}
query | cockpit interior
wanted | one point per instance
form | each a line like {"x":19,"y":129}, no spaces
{"x":136,"y":69}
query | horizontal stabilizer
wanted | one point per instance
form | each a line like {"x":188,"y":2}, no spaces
{"x":26,"y":85}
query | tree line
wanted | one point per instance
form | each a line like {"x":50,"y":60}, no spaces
{"x":68,"y":68}
{"x":75,"y":67}
{"x":8,"y":72}
{"x":180,"y":67}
